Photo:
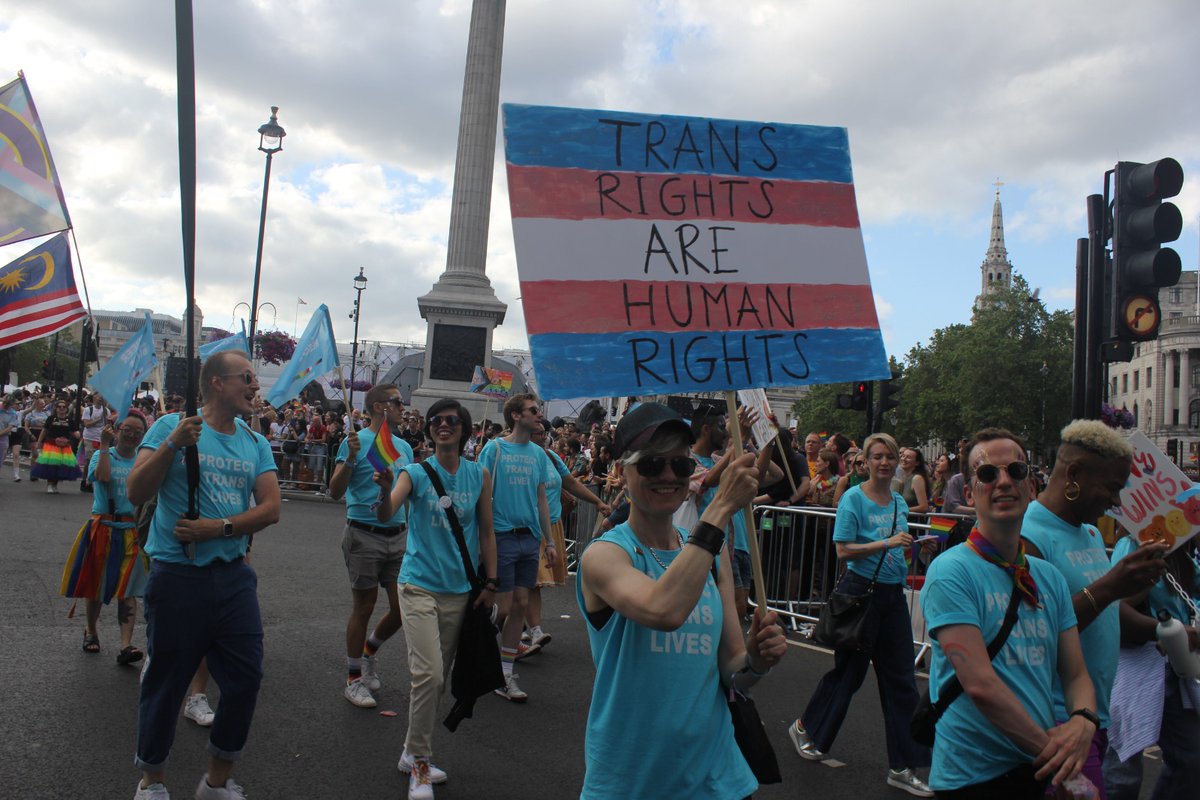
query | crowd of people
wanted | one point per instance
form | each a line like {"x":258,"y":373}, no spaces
{"x":461,"y":517}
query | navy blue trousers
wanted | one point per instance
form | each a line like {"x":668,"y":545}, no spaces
{"x":194,"y":613}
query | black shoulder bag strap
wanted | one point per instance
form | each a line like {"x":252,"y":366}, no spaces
{"x":953,"y":687}
{"x":455,"y":525}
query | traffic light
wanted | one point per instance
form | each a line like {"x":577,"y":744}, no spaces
{"x":47,"y":372}
{"x":1141,"y":223}
{"x":1173,"y":449}
{"x":887,"y":393}
{"x":859,"y":398}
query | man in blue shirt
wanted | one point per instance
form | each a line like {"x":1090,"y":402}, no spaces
{"x":201,"y":598}
{"x":374,"y":551}
{"x":522,"y":520}
{"x":1001,"y":739}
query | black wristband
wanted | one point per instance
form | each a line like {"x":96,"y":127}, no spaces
{"x":708,"y":537}
{"x":1087,"y":714}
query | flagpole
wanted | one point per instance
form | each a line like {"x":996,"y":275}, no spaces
{"x":185,"y":69}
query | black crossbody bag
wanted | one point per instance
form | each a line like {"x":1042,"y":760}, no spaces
{"x":850,"y":622}
{"x":925,"y":718}
{"x":476,"y":668}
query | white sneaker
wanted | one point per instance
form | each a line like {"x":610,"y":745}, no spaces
{"x":370,"y":675}
{"x":420,"y":785}
{"x":511,"y":691}
{"x":51,"y":490}
{"x":155,"y":791}
{"x":358,"y":693}
{"x":199,"y":711}
{"x":907,"y":780}
{"x":406,"y":764}
{"x":230,"y":791}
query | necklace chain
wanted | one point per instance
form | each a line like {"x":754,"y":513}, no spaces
{"x":654,"y":555}
{"x":1187,"y":598}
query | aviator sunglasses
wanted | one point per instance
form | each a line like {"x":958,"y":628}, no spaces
{"x":652,"y":466}
{"x":450,"y":420}
{"x":988,"y":473}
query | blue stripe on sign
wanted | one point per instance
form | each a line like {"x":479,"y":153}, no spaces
{"x":633,"y":363}
{"x":619,"y":141}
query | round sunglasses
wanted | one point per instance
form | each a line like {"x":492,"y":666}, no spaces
{"x":989,"y":473}
{"x":652,"y":466}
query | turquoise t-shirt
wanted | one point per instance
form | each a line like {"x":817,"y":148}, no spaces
{"x":518,"y":474}
{"x":432,"y":560}
{"x":1079,"y":554}
{"x":658,"y":727}
{"x":230,"y":463}
{"x":556,"y":470}
{"x":361,"y":491}
{"x":860,"y":520}
{"x":1162,"y":595}
{"x":115,"y":488}
{"x":737,"y":522}
{"x":962,"y":588}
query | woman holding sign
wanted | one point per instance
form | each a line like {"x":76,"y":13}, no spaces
{"x":664,"y":631}
{"x":871,"y":535}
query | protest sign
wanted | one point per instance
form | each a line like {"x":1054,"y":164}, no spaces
{"x":764,"y":431}
{"x":662,"y":254}
{"x":1158,"y":502}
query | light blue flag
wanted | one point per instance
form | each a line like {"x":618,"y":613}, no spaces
{"x":316,"y":354}
{"x":237,"y":341}
{"x":119,"y":379}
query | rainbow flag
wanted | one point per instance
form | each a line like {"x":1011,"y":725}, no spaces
{"x":492,"y":382}
{"x":383,"y":453}
{"x":941,"y":526}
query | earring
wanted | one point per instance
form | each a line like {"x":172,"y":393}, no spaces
{"x":1067,"y":491}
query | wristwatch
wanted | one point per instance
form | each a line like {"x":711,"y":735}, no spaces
{"x":227,"y":529}
{"x":1087,"y":714}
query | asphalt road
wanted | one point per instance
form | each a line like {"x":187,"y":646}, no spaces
{"x":67,"y":720}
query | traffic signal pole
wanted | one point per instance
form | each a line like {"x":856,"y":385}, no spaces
{"x":1093,"y":370}
{"x":1079,"y":370}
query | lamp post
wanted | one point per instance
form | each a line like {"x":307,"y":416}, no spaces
{"x":360,"y":283}
{"x":270,"y":141}
{"x":1045,"y":370}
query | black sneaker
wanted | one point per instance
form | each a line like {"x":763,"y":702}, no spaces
{"x":84,"y":486}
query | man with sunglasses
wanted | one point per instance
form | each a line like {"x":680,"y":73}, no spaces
{"x":201,"y":598}
{"x":1092,"y":467}
{"x":1002,"y":740}
{"x":373,"y":550}
{"x":522,"y":520}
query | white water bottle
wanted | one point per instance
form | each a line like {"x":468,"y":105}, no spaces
{"x":1173,"y":638}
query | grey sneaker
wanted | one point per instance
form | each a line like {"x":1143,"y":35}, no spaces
{"x":511,"y":690}
{"x":155,"y":791}
{"x":370,"y":675}
{"x":804,"y":744}
{"x":358,"y":693}
{"x":230,"y":791}
{"x":907,"y":780}
{"x":406,"y":764}
{"x":199,"y":711}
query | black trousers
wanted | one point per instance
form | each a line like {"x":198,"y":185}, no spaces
{"x":1016,"y":784}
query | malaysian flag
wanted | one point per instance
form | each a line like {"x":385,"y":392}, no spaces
{"x":38,"y":294}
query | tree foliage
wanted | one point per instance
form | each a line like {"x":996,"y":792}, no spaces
{"x":967,"y":377}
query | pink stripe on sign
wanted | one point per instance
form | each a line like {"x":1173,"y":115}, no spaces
{"x":622,"y":306}
{"x":566,"y":193}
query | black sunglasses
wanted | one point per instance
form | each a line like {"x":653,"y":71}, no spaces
{"x":988,"y":473}
{"x":652,"y":466}
{"x":396,"y":401}
{"x":451,"y":420}
{"x":248,"y":377}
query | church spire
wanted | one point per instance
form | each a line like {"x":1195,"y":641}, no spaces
{"x":996,"y":269}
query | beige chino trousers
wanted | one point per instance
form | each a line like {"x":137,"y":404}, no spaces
{"x":431,"y":625}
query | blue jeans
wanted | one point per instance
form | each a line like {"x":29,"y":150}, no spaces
{"x":194,"y":613}
{"x":1179,"y":739}
{"x":893,"y":659}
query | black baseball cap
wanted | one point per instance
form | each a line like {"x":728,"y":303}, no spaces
{"x":638,"y":426}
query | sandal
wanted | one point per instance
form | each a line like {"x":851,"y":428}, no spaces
{"x":129,"y":655}
{"x":91,"y":643}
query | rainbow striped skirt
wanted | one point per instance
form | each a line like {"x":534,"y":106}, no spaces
{"x":105,"y":562}
{"x":56,"y":463}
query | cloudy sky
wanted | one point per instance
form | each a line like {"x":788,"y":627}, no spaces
{"x":941,"y":98}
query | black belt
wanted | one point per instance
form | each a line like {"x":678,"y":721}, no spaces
{"x":395,"y":530}
{"x":518,"y":531}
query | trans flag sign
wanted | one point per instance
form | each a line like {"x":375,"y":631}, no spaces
{"x":662,"y":254}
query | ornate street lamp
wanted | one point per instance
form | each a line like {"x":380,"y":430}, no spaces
{"x":360,"y":283}
{"x":270,"y":141}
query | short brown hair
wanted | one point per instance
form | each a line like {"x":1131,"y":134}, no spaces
{"x":378,"y":394}
{"x":516,"y":405}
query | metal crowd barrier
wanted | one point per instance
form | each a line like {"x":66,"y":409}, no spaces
{"x":801,"y":568}
{"x":304,"y":471}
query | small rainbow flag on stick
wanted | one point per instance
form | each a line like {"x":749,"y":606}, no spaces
{"x":941,"y":526}
{"x":383,"y":453}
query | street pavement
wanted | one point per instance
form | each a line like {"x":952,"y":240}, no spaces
{"x":68,"y":719}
